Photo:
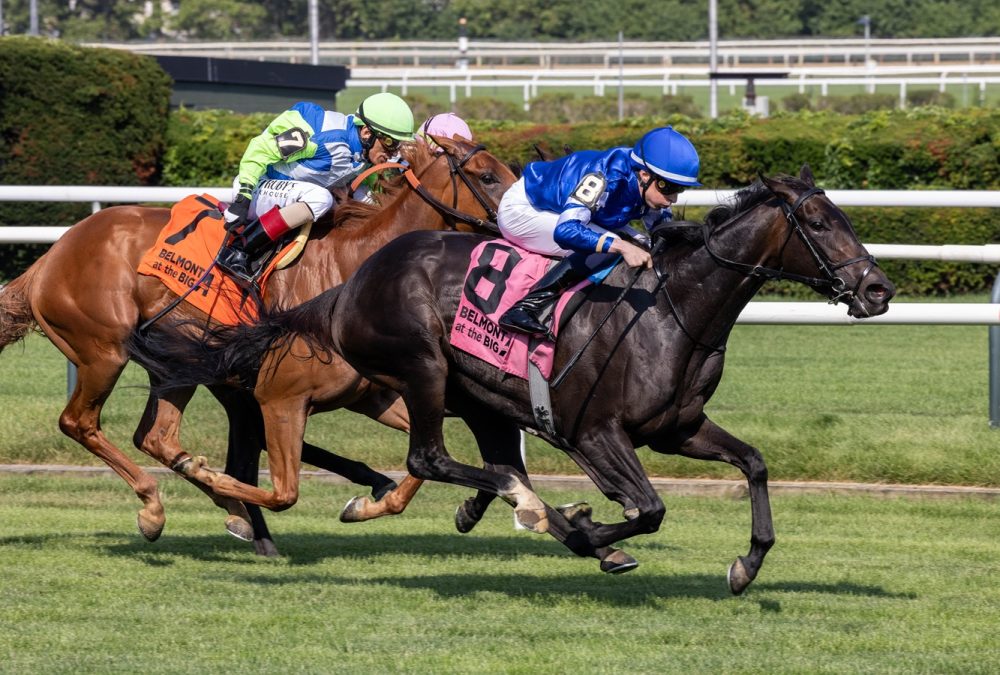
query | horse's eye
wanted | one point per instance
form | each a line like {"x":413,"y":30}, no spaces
{"x":488,"y":179}
{"x":817,"y":226}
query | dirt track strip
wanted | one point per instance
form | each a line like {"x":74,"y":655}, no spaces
{"x":678,"y":486}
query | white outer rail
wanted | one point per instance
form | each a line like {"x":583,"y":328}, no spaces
{"x":903,"y":198}
{"x":904,"y":313}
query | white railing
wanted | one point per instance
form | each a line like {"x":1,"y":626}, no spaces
{"x":529,"y":85}
{"x":754,"y":313}
{"x":99,"y":195}
{"x":733,"y":53}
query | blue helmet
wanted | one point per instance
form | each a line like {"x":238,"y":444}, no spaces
{"x":669,"y":155}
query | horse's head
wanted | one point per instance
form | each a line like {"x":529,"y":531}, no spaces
{"x":477,"y":179}
{"x":820,"y":245}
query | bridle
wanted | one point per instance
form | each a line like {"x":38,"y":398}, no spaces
{"x":830,"y":280}
{"x":835,"y":283}
{"x":452,"y":215}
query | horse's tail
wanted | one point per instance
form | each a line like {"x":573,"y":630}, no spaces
{"x":16,"y":317}
{"x":182,"y":354}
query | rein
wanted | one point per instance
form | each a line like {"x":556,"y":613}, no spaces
{"x":451,"y":213}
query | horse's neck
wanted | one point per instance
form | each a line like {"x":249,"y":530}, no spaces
{"x":330,"y":260}
{"x":708,"y":295}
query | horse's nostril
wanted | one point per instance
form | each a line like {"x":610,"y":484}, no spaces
{"x":878,"y":292}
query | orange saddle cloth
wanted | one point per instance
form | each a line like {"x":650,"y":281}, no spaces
{"x":186,"y":248}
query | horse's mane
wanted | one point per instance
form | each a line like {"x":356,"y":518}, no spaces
{"x":353,"y":212}
{"x":746,"y":199}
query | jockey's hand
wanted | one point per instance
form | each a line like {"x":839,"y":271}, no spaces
{"x":634,"y":256}
{"x":238,"y":213}
{"x":642,"y":240}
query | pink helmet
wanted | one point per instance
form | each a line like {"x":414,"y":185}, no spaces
{"x":443,"y":125}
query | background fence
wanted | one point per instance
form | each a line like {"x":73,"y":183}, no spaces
{"x":754,"y":313}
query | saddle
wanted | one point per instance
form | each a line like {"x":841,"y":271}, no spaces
{"x":183,"y":260}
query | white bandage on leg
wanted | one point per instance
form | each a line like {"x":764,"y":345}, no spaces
{"x":297,"y":214}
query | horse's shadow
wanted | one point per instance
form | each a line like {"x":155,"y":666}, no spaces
{"x":303,"y":550}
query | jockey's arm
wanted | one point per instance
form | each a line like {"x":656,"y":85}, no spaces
{"x":571,"y":233}
{"x":287,"y":138}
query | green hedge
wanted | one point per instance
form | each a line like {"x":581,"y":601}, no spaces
{"x":74,"y":116}
{"x":924,"y":148}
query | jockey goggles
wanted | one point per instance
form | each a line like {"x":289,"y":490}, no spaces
{"x":666,"y":188}
{"x":388,"y":142}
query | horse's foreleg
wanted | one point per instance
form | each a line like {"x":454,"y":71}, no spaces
{"x":158,"y":435}
{"x":712,"y":442}
{"x":385,"y":406}
{"x":246,"y":441}
{"x":81,"y":421}
{"x":499,"y":443}
{"x":429,"y":460}
{"x":606,"y":454}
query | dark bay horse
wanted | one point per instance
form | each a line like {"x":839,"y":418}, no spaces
{"x":643,"y":380}
{"x":85,"y":295}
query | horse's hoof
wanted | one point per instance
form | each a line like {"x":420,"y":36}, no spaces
{"x":384,"y":490}
{"x":353,"y":511}
{"x":578,"y":514}
{"x":631,"y":513}
{"x":265,"y":548}
{"x":618,"y":562}
{"x":536,"y":521}
{"x":464,"y":520}
{"x":575,"y":510}
{"x":149,"y":527}
{"x":738,"y":577}
{"x":239,"y":528}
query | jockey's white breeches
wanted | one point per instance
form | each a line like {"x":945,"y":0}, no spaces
{"x":530,"y":228}
{"x":273,"y":192}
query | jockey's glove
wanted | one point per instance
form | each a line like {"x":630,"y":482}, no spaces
{"x":238,"y":212}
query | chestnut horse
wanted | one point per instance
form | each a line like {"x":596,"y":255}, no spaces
{"x":651,"y":361}
{"x":84,"y":293}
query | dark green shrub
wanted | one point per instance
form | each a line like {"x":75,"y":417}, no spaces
{"x":856,"y":104}
{"x":74,"y":116}
{"x":796,"y":102}
{"x":925,"y":97}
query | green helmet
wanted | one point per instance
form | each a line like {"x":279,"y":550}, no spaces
{"x":387,"y":114}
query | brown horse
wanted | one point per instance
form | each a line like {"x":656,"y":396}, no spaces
{"x":84,"y":293}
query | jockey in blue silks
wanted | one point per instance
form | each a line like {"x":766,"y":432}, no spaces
{"x":571,"y":208}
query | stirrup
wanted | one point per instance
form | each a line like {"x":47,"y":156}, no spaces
{"x":518,"y":320}
{"x":236,"y":264}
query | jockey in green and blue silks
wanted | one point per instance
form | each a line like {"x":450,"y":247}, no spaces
{"x":287,"y":172}
{"x":577,"y":203}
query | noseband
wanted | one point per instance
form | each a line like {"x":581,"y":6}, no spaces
{"x":830,"y":280}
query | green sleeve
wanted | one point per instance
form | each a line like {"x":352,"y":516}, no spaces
{"x":262,"y":151}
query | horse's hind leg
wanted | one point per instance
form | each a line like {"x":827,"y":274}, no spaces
{"x":712,"y":442}
{"x":81,"y":421}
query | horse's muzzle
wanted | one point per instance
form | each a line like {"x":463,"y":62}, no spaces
{"x":872,"y":298}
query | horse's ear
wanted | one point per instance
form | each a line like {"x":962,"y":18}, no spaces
{"x":806,"y":174}
{"x":779,"y":188}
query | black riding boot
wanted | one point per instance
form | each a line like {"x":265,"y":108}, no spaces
{"x":527,"y":314}
{"x":236,"y":256}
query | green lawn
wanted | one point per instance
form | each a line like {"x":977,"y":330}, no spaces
{"x":854,"y":584}
{"x":897,"y":404}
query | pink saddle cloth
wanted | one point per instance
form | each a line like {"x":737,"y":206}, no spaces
{"x":499,"y":275}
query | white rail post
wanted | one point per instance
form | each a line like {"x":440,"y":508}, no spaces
{"x":995,"y":363}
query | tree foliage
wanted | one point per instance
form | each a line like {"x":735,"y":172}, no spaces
{"x":521,"y":20}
